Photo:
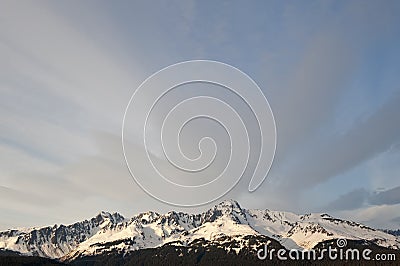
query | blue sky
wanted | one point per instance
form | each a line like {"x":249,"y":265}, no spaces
{"x":330,"y":70}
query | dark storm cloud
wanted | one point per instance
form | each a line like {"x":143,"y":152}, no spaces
{"x":364,"y":140}
{"x":349,"y":201}
{"x":389,"y":197}
{"x":361,"y":197}
{"x":396,"y":220}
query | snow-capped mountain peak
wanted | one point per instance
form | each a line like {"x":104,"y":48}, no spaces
{"x":108,"y":232}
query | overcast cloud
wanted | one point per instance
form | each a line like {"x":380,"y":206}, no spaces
{"x":330,"y":70}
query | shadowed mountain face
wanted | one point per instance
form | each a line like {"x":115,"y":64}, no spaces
{"x":392,"y":232}
{"x":225,"y":231}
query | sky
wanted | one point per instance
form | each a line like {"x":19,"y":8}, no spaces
{"x":329,"y":69}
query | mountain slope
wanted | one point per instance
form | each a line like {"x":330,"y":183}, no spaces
{"x":58,"y":240}
{"x":111,"y":233}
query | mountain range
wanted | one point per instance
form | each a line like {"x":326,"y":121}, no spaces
{"x":226,"y":229}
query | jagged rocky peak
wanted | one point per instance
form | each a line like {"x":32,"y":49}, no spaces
{"x":229,"y":208}
{"x":116,"y":217}
{"x":172,"y":217}
{"x":106,"y":216}
{"x":228,"y":205}
{"x":146,"y":217}
{"x":325,"y":215}
{"x":108,"y":232}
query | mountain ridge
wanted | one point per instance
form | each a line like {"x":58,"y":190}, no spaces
{"x":108,"y":232}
